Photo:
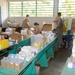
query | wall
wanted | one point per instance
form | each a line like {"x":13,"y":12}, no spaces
{"x":4,"y":12}
{"x":19,"y":20}
{"x":40,"y":20}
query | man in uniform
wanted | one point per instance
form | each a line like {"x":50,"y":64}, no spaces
{"x":25,"y":23}
{"x":59,"y":28}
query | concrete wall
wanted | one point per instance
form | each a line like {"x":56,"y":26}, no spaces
{"x":40,"y":20}
{"x":4,"y":12}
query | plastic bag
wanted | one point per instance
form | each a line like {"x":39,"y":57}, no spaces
{"x":37,"y":40}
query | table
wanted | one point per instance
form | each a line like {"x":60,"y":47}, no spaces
{"x":15,"y":47}
{"x":28,"y":68}
{"x":6,"y":50}
{"x":66,"y":70}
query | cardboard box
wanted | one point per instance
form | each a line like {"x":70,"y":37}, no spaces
{"x":18,"y":37}
{"x":7,"y":64}
{"x":12,"y":65}
{"x":3,"y":63}
{"x":47,"y":27}
{"x":18,"y":65}
{"x":15,"y":36}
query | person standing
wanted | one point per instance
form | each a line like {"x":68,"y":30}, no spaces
{"x":59,"y":29}
{"x":25,"y":23}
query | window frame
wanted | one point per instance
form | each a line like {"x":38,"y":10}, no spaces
{"x":69,"y":15}
{"x":22,"y":9}
{"x":9,"y":9}
{"x":48,"y":11}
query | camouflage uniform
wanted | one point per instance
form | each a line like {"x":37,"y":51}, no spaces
{"x":59,"y":29}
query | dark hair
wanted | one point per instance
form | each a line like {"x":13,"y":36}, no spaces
{"x":27,"y":15}
{"x":59,"y":13}
{"x":54,"y":30}
{"x":36,"y":23}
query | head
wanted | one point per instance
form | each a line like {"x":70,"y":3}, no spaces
{"x":59,"y":13}
{"x":27,"y":16}
{"x":36,"y":24}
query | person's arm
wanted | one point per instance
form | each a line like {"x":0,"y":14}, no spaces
{"x":55,"y":20}
{"x":28,"y":24}
{"x":23,"y":24}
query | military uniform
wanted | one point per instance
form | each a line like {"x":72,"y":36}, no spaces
{"x":59,"y":29}
{"x":25,"y":23}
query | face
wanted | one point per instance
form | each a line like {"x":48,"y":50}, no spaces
{"x":28,"y":16}
{"x":35,"y":25}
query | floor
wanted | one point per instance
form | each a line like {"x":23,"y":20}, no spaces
{"x":57,"y":63}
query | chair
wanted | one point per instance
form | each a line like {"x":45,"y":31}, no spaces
{"x":68,"y":38}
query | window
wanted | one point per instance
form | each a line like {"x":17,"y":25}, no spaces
{"x":45,"y":8}
{"x":39,"y":8}
{"x":15,"y":9}
{"x":29,"y":7}
{"x":67,"y":8}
